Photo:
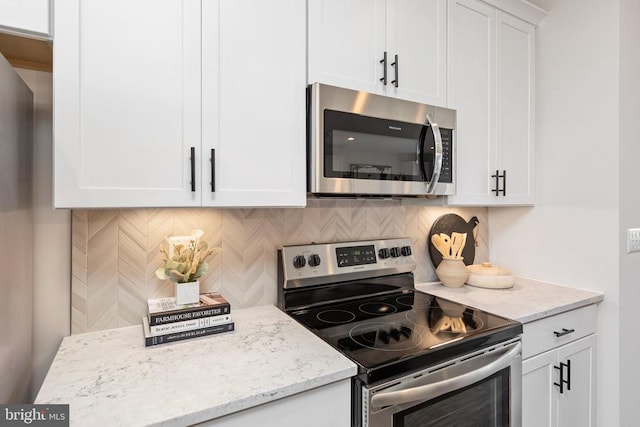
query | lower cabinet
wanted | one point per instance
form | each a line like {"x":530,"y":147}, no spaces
{"x":329,"y":405}
{"x":558,"y":385}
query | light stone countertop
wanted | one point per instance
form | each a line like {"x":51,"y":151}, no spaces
{"x":109,"y":378}
{"x":527,"y":301}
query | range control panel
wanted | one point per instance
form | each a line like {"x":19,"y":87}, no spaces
{"x":326,"y":259}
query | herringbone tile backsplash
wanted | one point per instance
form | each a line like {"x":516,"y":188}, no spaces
{"x":115,"y":252}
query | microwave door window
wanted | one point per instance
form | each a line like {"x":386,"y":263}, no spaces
{"x":361,"y":155}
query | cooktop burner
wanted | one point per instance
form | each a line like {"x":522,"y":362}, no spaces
{"x":335,"y":316}
{"x":377,"y":308}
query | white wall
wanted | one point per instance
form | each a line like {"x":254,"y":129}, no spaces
{"x":51,"y":238}
{"x":572,"y":236}
{"x":629,"y":208}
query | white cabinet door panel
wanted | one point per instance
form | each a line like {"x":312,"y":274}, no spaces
{"x":346,"y":41}
{"x":325,"y":406}
{"x":417,"y":33}
{"x":471,"y":88}
{"x":539,"y":402}
{"x":514,"y":107}
{"x":254,"y":102}
{"x":576,"y":406}
{"x":127,"y":104}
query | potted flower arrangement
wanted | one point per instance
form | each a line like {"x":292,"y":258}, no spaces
{"x":184,"y":263}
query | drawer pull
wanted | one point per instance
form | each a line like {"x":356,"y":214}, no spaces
{"x":564,"y":332}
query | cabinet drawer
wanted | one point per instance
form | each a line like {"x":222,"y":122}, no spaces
{"x":540,"y":335}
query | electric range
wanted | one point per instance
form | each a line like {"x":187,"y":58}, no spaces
{"x":360,"y":298}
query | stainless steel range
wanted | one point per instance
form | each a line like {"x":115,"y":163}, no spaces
{"x":422,"y":360}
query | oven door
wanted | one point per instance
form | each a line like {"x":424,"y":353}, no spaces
{"x":479,"y":389}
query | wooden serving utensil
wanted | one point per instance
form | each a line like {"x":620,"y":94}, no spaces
{"x":458,"y":241}
{"x":440,"y":244}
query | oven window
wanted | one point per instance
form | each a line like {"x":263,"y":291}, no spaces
{"x":483,"y":404}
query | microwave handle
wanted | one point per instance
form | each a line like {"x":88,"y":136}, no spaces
{"x":440,"y":388}
{"x":437,"y":164}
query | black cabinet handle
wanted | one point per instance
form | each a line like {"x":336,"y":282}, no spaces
{"x":497,"y":177}
{"x":564,"y":332}
{"x":193,"y":168}
{"x":213,"y":170}
{"x":504,"y":183}
{"x":562,"y":382}
{"x":383,"y":61}
{"x":394,"y":64}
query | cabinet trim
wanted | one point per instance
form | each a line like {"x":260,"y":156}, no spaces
{"x":520,"y":9}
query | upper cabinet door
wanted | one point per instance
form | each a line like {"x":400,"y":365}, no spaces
{"x":346,"y":43}
{"x":514,"y":108}
{"x":417,"y":33}
{"x":471,"y":85}
{"x":127,"y":103}
{"x":391,"y":47}
{"x":26,"y":17}
{"x":254,"y":103}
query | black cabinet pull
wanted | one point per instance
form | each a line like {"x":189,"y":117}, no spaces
{"x":394,"y":64}
{"x":564,"y":332}
{"x":497,"y":177}
{"x":193,"y":168}
{"x":562,"y":382}
{"x":383,"y":61}
{"x":504,"y":183}
{"x":213,"y":170}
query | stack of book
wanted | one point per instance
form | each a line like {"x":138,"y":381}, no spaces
{"x":168,"y":322}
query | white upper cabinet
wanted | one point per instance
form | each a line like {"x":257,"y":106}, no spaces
{"x":144,"y":90}
{"x":26,"y":17}
{"x":253,"y":100}
{"x":514,"y":109}
{"x":126,"y":103}
{"x":349,"y":41}
{"x":491,"y":87}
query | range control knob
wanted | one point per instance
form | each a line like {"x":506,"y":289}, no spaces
{"x":314,"y":260}
{"x":405,"y":250}
{"x":384,"y":253}
{"x":299,"y":261}
{"x":395,"y":252}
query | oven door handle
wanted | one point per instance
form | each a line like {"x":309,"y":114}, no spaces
{"x":429,"y":391}
{"x":437,"y":159}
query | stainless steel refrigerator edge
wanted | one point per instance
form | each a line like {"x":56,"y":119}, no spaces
{"x":16,"y":236}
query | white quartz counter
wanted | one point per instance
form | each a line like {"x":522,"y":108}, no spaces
{"x":109,"y":378}
{"x":527,"y":301}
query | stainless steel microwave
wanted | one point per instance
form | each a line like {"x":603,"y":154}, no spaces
{"x":361,"y":144}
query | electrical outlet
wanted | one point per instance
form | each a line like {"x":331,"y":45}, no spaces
{"x":633,"y":240}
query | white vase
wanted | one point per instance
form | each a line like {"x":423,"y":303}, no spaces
{"x":187,"y":293}
{"x":452,"y":272}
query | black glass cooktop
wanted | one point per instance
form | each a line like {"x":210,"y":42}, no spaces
{"x":396,"y":332}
